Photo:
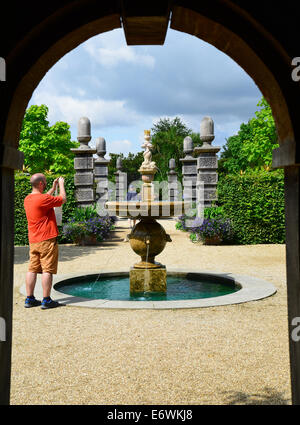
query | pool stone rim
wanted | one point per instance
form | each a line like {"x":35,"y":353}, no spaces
{"x":251,"y":289}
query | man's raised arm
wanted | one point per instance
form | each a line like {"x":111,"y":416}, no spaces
{"x":62,"y":191}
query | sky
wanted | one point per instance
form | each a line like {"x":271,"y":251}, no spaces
{"x":124,"y":90}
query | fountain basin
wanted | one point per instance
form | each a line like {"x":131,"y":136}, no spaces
{"x":181,"y":286}
{"x":248,"y":289}
{"x":148,"y":238}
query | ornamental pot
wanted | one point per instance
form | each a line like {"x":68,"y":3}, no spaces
{"x":212,"y":240}
{"x":148,"y":239}
{"x":86,"y":240}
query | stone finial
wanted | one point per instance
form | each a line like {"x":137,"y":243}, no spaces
{"x":188,"y":145}
{"x":101,"y":147}
{"x":119,"y":164}
{"x":84,"y":132}
{"x":172,"y":165}
{"x":207,"y":130}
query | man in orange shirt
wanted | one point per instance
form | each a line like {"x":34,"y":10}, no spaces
{"x":42,"y":235}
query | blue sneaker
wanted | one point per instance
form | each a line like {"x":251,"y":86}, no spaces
{"x":49,"y":303}
{"x":31,"y":302}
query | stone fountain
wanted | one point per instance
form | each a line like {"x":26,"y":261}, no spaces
{"x":148,"y":238}
{"x":147,"y":279}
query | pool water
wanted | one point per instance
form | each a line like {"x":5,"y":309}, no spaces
{"x":117,"y":288}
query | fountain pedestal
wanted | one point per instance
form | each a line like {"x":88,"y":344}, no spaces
{"x":148,"y":238}
{"x":148,"y":280}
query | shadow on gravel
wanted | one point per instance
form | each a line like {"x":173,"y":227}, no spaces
{"x":266,"y":397}
{"x":71,"y":252}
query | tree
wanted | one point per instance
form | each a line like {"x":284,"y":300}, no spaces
{"x":167,"y":140}
{"x":166,"y":124}
{"x":233,"y":158}
{"x":252,"y":147}
{"x":46,"y":148}
{"x":130,"y":165}
{"x":264,"y":137}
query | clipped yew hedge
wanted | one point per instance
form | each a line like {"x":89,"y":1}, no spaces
{"x":255,"y":205}
{"x":22,"y":189}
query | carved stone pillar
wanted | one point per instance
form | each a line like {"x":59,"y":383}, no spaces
{"x":101,"y":175}
{"x":84,"y":165}
{"x":172,"y":182}
{"x":189,"y":171}
{"x":207,"y":162}
{"x":121,"y":182}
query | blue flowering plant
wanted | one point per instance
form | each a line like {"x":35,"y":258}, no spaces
{"x":185,"y":221}
{"x":180,"y":223}
{"x":218,"y":229}
{"x":87,"y":223}
{"x":213,"y":226}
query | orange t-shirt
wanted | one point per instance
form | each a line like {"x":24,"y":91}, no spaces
{"x":41,"y":217}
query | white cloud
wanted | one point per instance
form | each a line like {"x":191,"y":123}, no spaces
{"x":120,"y":146}
{"x":126,"y":89}
{"x":102,"y":113}
{"x":81,"y":92}
{"x":112,"y":56}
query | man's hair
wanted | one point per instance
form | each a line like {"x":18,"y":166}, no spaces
{"x":35,"y":179}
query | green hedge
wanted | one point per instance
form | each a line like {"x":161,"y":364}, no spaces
{"x":255,"y":204}
{"x":22,"y":189}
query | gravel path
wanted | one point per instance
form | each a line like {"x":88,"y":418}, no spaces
{"x":234,"y":354}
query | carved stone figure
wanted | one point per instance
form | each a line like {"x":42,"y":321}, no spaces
{"x":147,"y":145}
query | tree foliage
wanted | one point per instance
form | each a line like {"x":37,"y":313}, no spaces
{"x":252,"y":146}
{"x":22,"y":189}
{"x":167,"y":140}
{"x":46,"y":148}
{"x":254,"y":202}
{"x":130,"y":164}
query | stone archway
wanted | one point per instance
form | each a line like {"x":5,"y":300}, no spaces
{"x":244,"y":33}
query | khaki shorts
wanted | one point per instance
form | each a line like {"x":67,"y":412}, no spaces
{"x":43,"y":256}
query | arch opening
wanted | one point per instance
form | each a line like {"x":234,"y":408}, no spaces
{"x":182,"y":19}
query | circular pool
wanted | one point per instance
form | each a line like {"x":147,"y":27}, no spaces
{"x":190,"y":289}
{"x":185,"y":287}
